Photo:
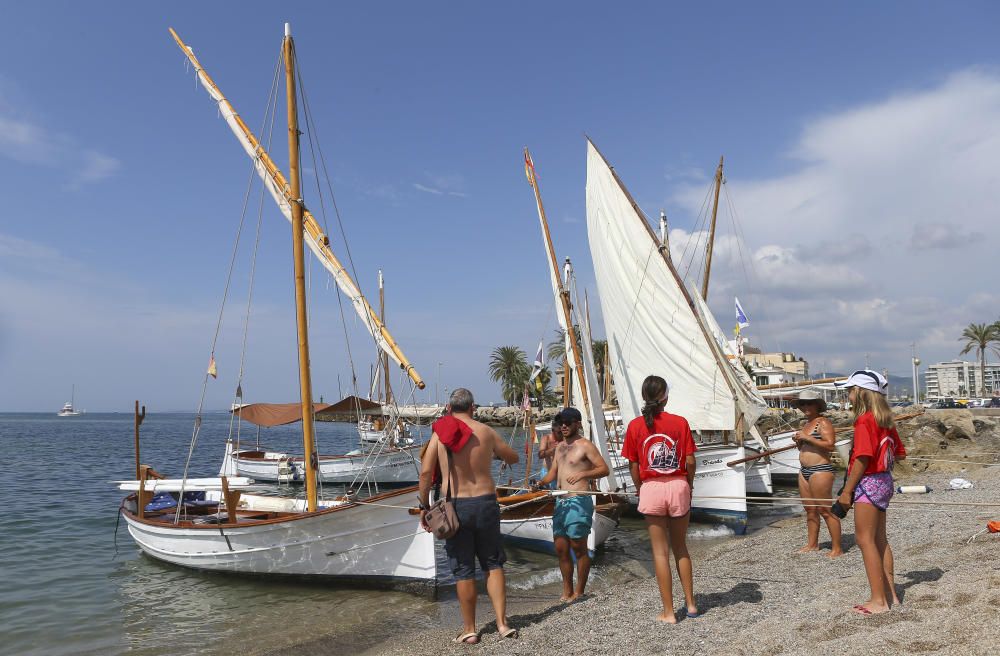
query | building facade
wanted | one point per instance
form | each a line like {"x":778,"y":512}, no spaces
{"x":958,"y":378}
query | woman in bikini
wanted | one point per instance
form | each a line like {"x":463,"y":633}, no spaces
{"x":815,"y":440}
{"x":869,"y":486}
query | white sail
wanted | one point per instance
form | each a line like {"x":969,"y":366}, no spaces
{"x":651,"y":322}
{"x":595,"y":416}
{"x":313,"y":235}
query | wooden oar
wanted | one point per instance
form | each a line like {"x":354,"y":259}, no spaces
{"x":733,"y":463}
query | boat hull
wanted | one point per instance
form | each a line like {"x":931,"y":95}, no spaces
{"x":785,"y":465}
{"x":391,"y":467}
{"x":352,"y":542}
{"x":534,"y":532}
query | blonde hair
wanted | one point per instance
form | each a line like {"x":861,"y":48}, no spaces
{"x":875,"y":403}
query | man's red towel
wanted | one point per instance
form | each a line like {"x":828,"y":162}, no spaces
{"x":452,"y":432}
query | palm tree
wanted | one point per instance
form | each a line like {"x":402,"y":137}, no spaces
{"x":981,"y":337}
{"x":509,"y":366}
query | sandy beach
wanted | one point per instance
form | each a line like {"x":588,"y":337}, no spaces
{"x":760,"y":597}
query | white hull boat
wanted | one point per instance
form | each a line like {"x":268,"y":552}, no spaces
{"x":785,"y":465}
{"x":529,"y":526}
{"x":388,"y":467}
{"x":274,"y":536}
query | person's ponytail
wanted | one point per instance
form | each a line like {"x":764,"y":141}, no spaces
{"x":654,"y":389}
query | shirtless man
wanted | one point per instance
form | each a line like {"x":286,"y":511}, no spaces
{"x":547,"y":447}
{"x":576,"y":464}
{"x":472,"y":446}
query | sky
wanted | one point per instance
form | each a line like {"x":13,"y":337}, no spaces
{"x":862,"y":149}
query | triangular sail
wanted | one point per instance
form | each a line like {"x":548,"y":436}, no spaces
{"x":317,"y":242}
{"x":652,"y":324}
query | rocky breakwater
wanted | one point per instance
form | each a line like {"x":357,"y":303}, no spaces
{"x":511,"y":415}
{"x":949,"y":441}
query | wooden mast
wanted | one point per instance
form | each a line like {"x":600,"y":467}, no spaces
{"x":312,"y":227}
{"x":711,"y":233}
{"x":387,"y":385}
{"x":298,"y":254}
{"x":529,"y":446}
{"x":139,"y":416}
{"x":567,"y":305}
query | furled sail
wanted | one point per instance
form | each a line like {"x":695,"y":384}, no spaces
{"x":586,"y":394}
{"x":317,"y":242}
{"x":652,"y":324}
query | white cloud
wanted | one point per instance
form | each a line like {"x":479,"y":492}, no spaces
{"x":443,"y":185}
{"x":425,"y":189}
{"x":28,"y":142}
{"x":881,"y":233}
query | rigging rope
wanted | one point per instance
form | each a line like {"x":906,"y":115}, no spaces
{"x":215,"y":338}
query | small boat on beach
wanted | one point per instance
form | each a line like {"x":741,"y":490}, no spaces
{"x":221,"y":524}
{"x":526,"y":517}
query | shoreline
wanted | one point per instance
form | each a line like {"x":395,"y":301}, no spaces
{"x":760,"y":597}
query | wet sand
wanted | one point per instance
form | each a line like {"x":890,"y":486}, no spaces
{"x":759,"y":596}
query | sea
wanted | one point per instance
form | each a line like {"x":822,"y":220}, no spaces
{"x":72,"y":580}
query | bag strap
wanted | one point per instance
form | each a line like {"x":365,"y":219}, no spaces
{"x":444,"y":454}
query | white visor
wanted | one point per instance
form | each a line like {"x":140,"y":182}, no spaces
{"x":866,"y":379}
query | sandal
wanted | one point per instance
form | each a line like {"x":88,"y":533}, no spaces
{"x":464,"y":639}
{"x":861,"y":610}
{"x":510,"y":633}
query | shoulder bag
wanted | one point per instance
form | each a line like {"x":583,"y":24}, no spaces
{"x":441,"y":517}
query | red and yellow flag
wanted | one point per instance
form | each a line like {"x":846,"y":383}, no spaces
{"x":529,"y":167}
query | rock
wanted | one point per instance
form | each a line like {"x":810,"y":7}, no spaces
{"x":955,"y":418}
{"x":956,"y":433}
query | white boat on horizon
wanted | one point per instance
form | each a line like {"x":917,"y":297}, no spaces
{"x":68,"y":410}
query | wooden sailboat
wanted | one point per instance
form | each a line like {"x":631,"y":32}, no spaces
{"x":527,"y":518}
{"x":655,"y":324}
{"x":371,"y":540}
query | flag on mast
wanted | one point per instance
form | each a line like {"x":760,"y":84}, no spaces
{"x":529,"y":168}
{"x":538,"y":365}
{"x":741,"y":317}
{"x":213,"y":371}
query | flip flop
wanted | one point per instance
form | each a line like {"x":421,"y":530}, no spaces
{"x":861,"y":610}
{"x":694,"y":616}
{"x":463,"y":639}
{"x":510,"y":633}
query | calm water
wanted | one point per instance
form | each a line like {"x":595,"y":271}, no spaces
{"x":68,"y":586}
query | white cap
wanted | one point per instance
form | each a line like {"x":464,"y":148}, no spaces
{"x":866,"y":379}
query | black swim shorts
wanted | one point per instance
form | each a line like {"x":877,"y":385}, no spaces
{"x":478,"y":537}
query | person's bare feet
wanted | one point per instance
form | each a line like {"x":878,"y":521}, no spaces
{"x":870,"y":609}
{"x":835,"y":553}
{"x":568,"y":599}
{"x":667,"y":618}
{"x":808,"y":548}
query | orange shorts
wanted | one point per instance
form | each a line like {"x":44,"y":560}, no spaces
{"x":669,"y":497}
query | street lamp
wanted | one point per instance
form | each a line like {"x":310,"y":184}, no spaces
{"x":916,"y":363}
{"x":437,"y":386}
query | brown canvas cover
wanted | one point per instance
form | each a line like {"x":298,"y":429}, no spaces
{"x":352,"y":404}
{"x":276,"y":414}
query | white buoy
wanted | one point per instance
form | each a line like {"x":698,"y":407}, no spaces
{"x":913,"y":489}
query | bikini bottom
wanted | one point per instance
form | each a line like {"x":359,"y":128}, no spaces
{"x":807,"y":472}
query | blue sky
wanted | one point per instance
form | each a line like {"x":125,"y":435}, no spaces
{"x":859,"y":143}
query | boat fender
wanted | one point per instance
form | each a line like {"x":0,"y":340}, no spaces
{"x":913,"y":489}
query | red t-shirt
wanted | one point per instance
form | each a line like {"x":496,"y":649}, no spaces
{"x":661,"y":450}
{"x":881,"y":445}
